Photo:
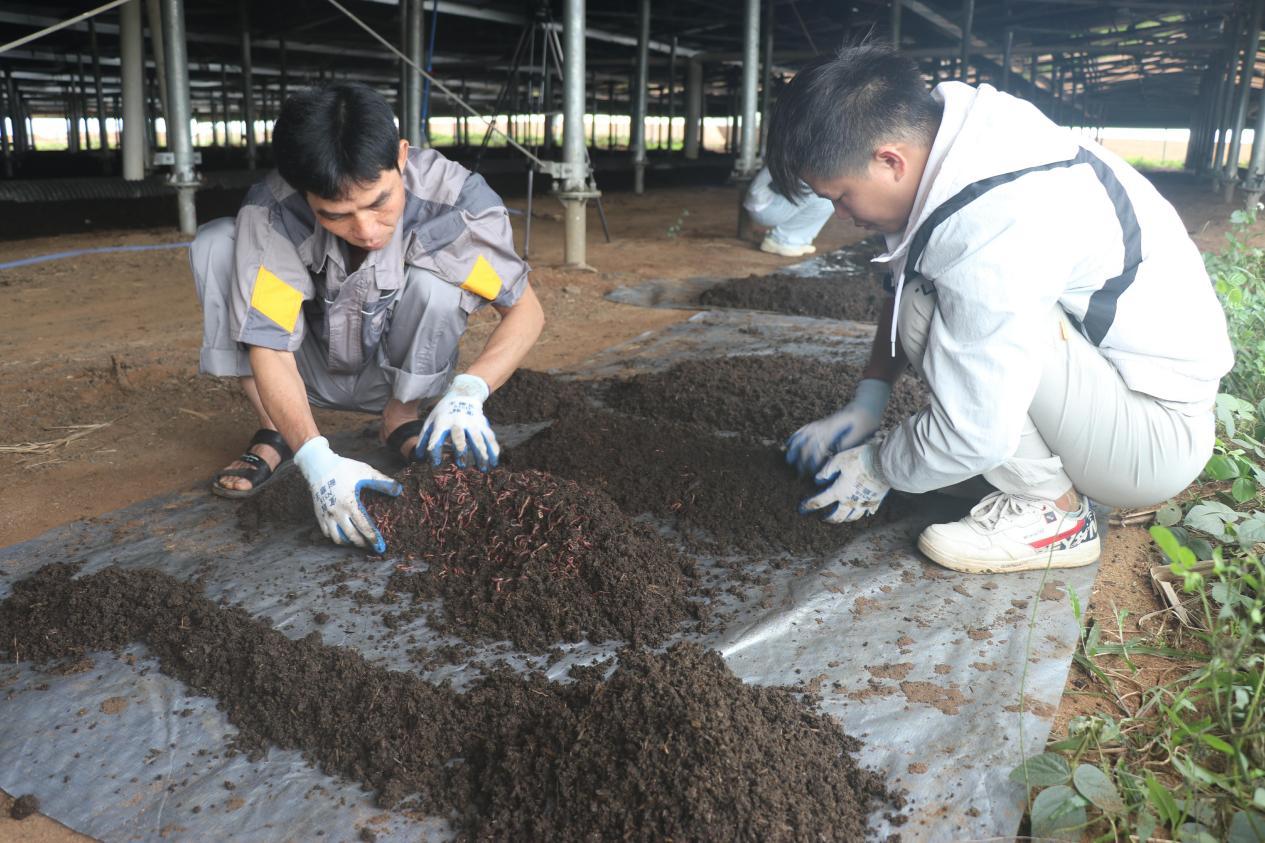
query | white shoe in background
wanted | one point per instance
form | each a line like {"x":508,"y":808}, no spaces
{"x":1006,"y":533}
{"x":786,"y":250}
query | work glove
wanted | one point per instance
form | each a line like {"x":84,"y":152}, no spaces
{"x":458,"y":419}
{"x":811,"y":445}
{"x":336,"y":483}
{"x":856,"y":485}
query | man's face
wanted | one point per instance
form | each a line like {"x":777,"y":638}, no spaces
{"x":878,"y":199}
{"x":367,"y":216}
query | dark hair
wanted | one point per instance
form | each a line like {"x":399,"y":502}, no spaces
{"x":838,"y":110}
{"x":332,"y":137}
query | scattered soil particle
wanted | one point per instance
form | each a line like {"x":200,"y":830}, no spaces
{"x":113,"y":705}
{"x":1052,"y":590}
{"x":890,"y":671}
{"x":523,"y":556}
{"x":942,"y":669}
{"x":741,"y":496}
{"x":978,"y":634}
{"x":984,"y":667}
{"x":24,"y":806}
{"x":531,"y":396}
{"x":367,"y":835}
{"x":859,"y":298}
{"x":948,"y":700}
{"x":757,"y":396}
{"x":917,"y":768}
{"x":669,"y":745}
{"x":1041,"y":709}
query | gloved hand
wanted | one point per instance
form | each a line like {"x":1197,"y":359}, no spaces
{"x":856,"y":487}
{"x":811,"y":445}
{"x":336,"y":483}
{"x":458,"y":417}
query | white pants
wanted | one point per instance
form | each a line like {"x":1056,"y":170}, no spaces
{"x":1085,"y":429}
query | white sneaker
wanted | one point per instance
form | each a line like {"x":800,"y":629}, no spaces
{"x":1014,"y":533}
{"x":786,"y":250}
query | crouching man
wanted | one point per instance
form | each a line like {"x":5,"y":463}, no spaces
{"x":1047,"y":294}
{"x":345,"y":282}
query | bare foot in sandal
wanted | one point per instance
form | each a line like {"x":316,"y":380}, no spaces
{"x":246,"y":475}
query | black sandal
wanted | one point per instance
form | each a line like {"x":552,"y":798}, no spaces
{"x":402,"y":434}
{"x":259,"y":474}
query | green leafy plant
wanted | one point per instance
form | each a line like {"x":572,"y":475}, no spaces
{"x":674,"y":230}
{"x":1238,"y":275}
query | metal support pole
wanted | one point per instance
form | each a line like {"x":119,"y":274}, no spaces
{"x":228,"y":141}
{"x":575,"y":191}
{"x":1230,"y":175}
{"x":671,"y":93}
{"x":285,"y":76}
{"x":546,"y":98}
{"x":896,"y":4}
{"x":104,"y":145}
{"x":637,"y":125}
{"x":248,"y":83}
{"x":1254,"y":183}
{"x":183,"y":176}
{"x":20,"y":140}
{"x":413,"y":90}
{"x":766,"y":79}
{"x":132,"y":62}
{"x":1007,"y":58}
{"x":610,"y":115}
{"x":156,"y":30}
{"x":693,"y":108}
{"x":5,"y":152}
{"x":745,"y":165}
{"x":968,"y":23}
{"x":1225,"y":90}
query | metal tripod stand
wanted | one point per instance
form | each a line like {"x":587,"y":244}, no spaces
{"x":541,"y":28}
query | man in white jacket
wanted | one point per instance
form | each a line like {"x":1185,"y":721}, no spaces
{"x":1049,"y":296}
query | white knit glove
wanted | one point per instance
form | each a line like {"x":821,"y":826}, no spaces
{"x":458,"y":419}
{"x":336,"y":483}
{"x":813,"y":444}
{"x":856,"y":485}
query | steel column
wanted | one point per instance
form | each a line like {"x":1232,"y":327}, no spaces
{"x":248,"y":83}
{"x":637,"y":124}
{"x":766,"y":78}
{"x":896,"y":4}
{"x":671,"y":92}
{"x":156,"y":29}
{"x":100,"y":96}
{"x":132,"y":71}
{"x":179,"y":140}
{"x":1230,"y":175}
{"x":693,"y":107}
{"x":575,"y":191}
{"x":5,"y":152}
{"x":745,"y":167}
{"x":968,"y":23}
{"x":413,"y":89}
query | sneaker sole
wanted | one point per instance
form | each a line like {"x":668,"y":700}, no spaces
{"x":1076,"y":557}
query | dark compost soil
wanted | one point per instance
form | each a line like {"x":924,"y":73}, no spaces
{"x":669,"y":746}
{"x":532,"y":558}
{"x":856,"y":297}
{"x":742,"y":496}
{"x":24,"y":806}
{"x":530,"y":396}
{"x":758,"y":396}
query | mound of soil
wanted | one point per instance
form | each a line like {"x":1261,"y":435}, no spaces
{"x":24,"y":806}
{"x":530,"y":396}
{"x":758,"y":396}
{"x":859,"y":298}
{"x":531,"y":558}
{"x":669,"y":746}
{"x":742,"y":496}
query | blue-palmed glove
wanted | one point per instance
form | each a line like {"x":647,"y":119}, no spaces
{"x":458,"y":419}
{"x":813,"y":444}
{"x":855,"y":485}
{"x":336,"y":483}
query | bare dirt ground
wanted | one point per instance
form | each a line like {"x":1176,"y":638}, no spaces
{"x":113,"y":339}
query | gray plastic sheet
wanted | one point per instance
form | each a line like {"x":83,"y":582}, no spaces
{"x":925,"y":665}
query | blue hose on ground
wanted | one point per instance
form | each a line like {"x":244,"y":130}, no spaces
{"x":74,"y":253}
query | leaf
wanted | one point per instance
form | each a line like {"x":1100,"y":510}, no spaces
{"x":1246,"y":827}
{"x":1221,"y":467}
{"x":1146,"y":825}
{"x":1058,"y":812}
{"x":1211,"y":517}
{"x":1163,"y":802}
{"x":1042,"y":771}
{"x":1167,"y":542}
{"x":1195,"y":833}
{"x":1168,"y":515}
{"x":1202,"y":548}
{"x":1243,"y":490}
{"x":1097,"y":787}
{"x":1251,"y":531}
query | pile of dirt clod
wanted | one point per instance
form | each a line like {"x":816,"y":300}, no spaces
{"x":531,"y":558}
{"x":530,"y":396}
{"x":856,"y":297}
{"x":741,"y":496}
{"x":669,"y":746}
{"x":759,"y":396}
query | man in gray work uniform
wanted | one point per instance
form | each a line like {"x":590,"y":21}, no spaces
{"x":345,"y":282}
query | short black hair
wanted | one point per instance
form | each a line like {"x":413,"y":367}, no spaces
{"x":332,"y":137}
{"x":839,"y":109}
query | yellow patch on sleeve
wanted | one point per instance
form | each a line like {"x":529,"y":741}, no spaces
{"x":483,"y":280}
{"x":276,"y":299}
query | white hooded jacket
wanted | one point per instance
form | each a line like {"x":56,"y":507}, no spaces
{"x":1013,"y":216}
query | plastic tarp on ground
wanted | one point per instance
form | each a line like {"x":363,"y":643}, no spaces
{"x":925,"y":665}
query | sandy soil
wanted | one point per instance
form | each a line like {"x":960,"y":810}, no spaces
{"x":113,"y":339}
